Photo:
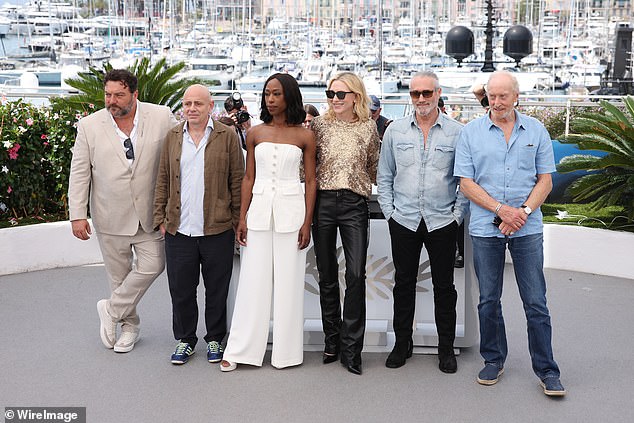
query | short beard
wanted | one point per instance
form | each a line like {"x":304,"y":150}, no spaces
{"x":507,"y":115}
{"x":428,"y":111}
{"x":123,"y":111}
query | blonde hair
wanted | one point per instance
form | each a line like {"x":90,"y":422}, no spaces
{"x":362,"y":102}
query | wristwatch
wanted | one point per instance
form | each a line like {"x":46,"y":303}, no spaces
{"x":527,"y":209}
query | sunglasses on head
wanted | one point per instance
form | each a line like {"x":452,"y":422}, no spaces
{"x":129,"y":152}
{"x":340,"y":94}
{"x":424,"y":93}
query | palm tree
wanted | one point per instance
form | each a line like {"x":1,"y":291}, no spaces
{"x":156,"y":85}
{"x":610,"y":130}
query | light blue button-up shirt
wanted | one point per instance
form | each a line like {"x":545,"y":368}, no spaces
{"x":506,"y":171}
{"x":192,"y":166}
{"x":415,"y":181}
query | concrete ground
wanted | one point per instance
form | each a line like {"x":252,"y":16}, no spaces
{"x":52,"y":356}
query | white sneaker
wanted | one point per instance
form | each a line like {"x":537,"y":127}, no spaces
{"x":108,"y":329}
{"x":126,"y":342}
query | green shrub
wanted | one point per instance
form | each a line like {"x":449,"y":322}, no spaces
{"x":35,"y":155}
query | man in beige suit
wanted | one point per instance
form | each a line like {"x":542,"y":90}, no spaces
{"x":115,"y":162}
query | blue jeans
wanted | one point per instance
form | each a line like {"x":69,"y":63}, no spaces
{"x":528,"y":261}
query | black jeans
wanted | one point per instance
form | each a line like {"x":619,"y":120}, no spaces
{"x":186,"y":257}
{"x":348,"y":212}
{"x":441,"y":248}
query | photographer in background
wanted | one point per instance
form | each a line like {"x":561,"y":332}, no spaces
{"x":237,"y":111}
{"x":480,"y":93}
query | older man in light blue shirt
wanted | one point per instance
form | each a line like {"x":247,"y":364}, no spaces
{"x":504,"y":160}
{"x":417,"y":194}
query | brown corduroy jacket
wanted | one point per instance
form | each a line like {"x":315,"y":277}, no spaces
{"x":224,"y":169}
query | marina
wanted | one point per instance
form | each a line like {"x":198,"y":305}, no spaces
{"x":235,"y":45}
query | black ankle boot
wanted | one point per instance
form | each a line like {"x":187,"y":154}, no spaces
{"x":401,"y":352}
{"x":330,"y":357}
{"x":447,"y":360}
{"x":353,"y":365}
{"x":331,"y":354}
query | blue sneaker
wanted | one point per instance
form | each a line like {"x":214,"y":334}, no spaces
{"x":553,"y":387}
{"x":489,"y":374}
{"x":214,"y":352}
{"x":182,"y":353}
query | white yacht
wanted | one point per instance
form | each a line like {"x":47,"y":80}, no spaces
{"x":380,"y":84}
{"x":5,"y":25}
{"x":214,"y":68}
{"x":47,"y":26}
{"x":315,"y":72}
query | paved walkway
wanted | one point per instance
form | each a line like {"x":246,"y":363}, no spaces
{"x":52,"y":356}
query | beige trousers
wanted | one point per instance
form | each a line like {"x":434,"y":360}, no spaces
{"x":132,"y":264}
{"x":271,"y":267}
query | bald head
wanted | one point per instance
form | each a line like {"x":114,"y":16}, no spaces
{"x":197,"y":105}
{"x":198,"y":90}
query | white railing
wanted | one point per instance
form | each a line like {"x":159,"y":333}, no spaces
{"x":462,"y":106}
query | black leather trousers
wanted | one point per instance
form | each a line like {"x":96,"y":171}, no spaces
{"x":348,"y":212}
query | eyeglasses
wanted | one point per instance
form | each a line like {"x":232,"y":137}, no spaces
{"x":424,"y":93}
{"x":340,"y":94}
{"x":129,"y":153}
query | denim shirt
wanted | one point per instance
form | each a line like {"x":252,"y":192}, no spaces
{"x":506,"y":171}
{"x":415,"y":182}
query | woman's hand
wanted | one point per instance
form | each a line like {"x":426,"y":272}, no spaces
{"x":241,"y":233}
{"x":303,"y":239}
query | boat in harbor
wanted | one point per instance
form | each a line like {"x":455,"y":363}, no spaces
{"x":316,"y":72}
{"x":386,"y":49}
{"x":221,"y":72}
{"x":5,"y":26}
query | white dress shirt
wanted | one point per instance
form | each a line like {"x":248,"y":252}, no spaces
{"x":192,"y":170}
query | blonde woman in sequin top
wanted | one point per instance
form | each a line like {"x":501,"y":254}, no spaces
{"x":347,"y":157}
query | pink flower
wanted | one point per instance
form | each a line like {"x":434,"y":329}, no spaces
{"x":15,"y":120}
{"x":13,"y":151}
{"x":9,"y":190}
{"x":29,"y":121}
{"x":92,"y":106}
{"x":43,"y":137}
{"x":45,"y":143}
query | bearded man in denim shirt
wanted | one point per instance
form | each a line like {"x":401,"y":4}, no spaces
{"x":417,"y":195}
{"x":504,"y":160}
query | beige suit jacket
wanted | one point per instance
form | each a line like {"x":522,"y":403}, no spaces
{"x":121,"y":196}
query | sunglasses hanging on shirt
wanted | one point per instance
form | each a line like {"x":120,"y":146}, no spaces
{"x":129,"y":152}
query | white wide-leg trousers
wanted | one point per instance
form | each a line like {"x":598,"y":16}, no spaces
{"x":271,"y":265}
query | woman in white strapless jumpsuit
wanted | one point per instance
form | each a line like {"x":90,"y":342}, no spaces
{"x":277,"y":215}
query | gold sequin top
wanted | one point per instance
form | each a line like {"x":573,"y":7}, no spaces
{"x":347,"y":154}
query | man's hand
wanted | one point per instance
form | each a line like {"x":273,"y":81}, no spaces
{"x":81,"y":229}
{"x":162,"y":229}
{"x":512,"y":219}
